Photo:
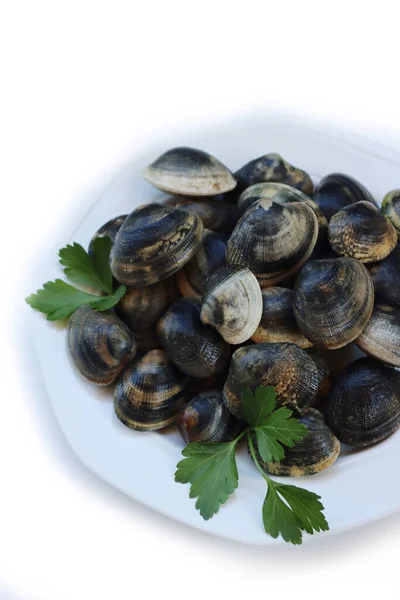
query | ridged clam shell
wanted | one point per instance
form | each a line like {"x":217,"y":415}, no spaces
{"x":232,"y":303}
{"x":273,"y":240}
{"x":333,"y":301}
{"x":140,"y":308}
{"x":195,"y":349}
{"x":386,"y":277}
{"x":150,"y":393}
{"x":391,"y":208}
{"x":316,"y":452}
{"x":361,"y":231}
{"x":363,"y":407}
{"x":287,"y":367}
{"x":209,"y":256}
{"x":205,"y":419}
{"x":99,"y":344}
{"x":154,"y":242}
{"x":272,"y":167}
{"x":381,"y":336}
{"x":336,"y":191}
{"x":278,"y":323}
{"x":109,"y":229}
{"x":189,"y":171}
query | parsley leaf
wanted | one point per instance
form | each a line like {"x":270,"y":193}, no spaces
{"x":301,"y":512}
{"x":212,"y":471}
{"x":57,"y":299}
{"x":277,"y":429}
{"x":257,"y":406}
{"x":89,"y":270}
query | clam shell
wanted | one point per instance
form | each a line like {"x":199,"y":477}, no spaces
{"x":361,"y":231}
{"x":232,"y":303}
{"x":278,"y":323}
{"x":273,"y":168}
{"x":285,"y":366}
{"x":148,"y":340}
{"x":109,"y":229}
{"x":189,"y":171}
{"x":209,"y":256}
{"x":195,"y":349}
{"x":363,"y":407}
{"x":215,"y":215}
{"x":273,"y":240}
{"x":381,"y":336}
{"x":205,"y":419}
{"x":99,"y":344}
{"x":336,"y":191}
{"x":386,"y":277}
{"x":333,"y":301}
{"x":140,"y":308}
{"x":150,"y":393}
{"x":316,"y":452}
{"x":154,"y":242}
{"x":391,"y":208}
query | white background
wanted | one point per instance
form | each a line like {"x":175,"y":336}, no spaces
{"x":85,"y":85}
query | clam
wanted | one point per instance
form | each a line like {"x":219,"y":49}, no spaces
{"x":391,"y":208}
{"x":216,"y":215}
{"x":316,"y":452}
{"x":285,"y":366}
{"x":189,"y":171}
{"x":99,"y":344}
{"x":386,"y":277}
{"x":232,"y":303}
{"x":273,"y":240}
{"x":336,"y":191}
{"x":205,"y":419}
{"x":209,"y":256}
{"x":361,"y":231}
{"x":109,"y":229}
{"x":140,"y":308}
{"x":333,"y":301}
{"x":154,"y":242}
{"x":150,"y":393}
{"x":363,"y":407}
{"x":278,"y":323}
{"x":195,"y":349}
{"x":381,"y":336}
{"x":272,"y":167}
{"x":148,"y":340}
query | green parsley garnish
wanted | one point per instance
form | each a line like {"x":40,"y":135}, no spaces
{"x":58,"y":299}
{"x":212,"y":471}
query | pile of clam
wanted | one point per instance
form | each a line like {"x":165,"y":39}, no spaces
{"x":248,"y":279}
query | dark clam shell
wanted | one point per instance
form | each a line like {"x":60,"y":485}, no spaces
{"x":189,"y":171}
{"x":150,"y":393}
{"x":386,"y":277}
{"x":209,"y":256}
{"x":154,"y":242}
{"x":391,"y":208}
{"x":363,"y":407}
{"x":100,"y":344}
{"x":273,"y":168}
{"x":287,"y":367}
{"x":273,"y":239}
{"x":109,"y":229}
{"x":215,"y":214}
{"x":278,"y":323}
{"x":205,"y":419}
{"x":316,"y":452}
{"x":336,"y":191}
{"x":361,"y":231}
{"x":333,"y":301}
{"x":195,"y":349}
{"x":381,"y":336}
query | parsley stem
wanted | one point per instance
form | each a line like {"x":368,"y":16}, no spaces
{"x":254,"y":457}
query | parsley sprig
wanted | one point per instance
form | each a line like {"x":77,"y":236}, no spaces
{"x":58,"y":299}
{"x":211,"y":469}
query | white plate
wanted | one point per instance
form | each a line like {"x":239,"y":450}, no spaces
{"x":143,"y":465}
